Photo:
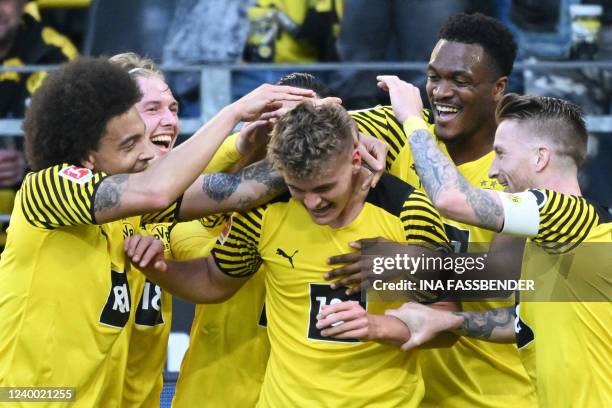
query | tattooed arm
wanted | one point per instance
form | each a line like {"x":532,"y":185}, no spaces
{"x":166,"y":179}
{"x":450,"y":192}
{"x":425,"y":323}
{"x":223,"y":192}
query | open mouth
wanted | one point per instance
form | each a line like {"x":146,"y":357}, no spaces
{"x":445,"y":112}
{"x":322,"y":210}
{"x":162,"y":141}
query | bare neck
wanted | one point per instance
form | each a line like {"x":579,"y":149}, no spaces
{"x":472,"y":147}
{"x":354,"y":205}
{"x":562,"y":183}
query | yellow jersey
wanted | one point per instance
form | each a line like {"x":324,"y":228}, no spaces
{"x":471,"y":372}
{"x":66,"y":299}
{"x":228,"y":343}
{"x":564,"y":333}
{"x":152,"y":321}
{"x":305,"y":368}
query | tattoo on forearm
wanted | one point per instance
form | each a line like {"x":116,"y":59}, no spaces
{"x":438,"y":173}
{"x":221,"y":186}
{"x":109,"y":192}
{"x":482,"y":324}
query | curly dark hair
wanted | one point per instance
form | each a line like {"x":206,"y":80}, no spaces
{"x":68,"y":114}
{"x":491,"y":34}
{"x":305,"y":81}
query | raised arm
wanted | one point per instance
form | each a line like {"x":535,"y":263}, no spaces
{"x":166,"y":179}
{"x":222,"y":192}
{"x":197,"y":281}
{"x":450,"y":192}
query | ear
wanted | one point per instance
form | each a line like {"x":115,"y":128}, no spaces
{"x":542,"y":158}
{"x":499,"y":88}
{"x":89,"y":162}
{"x":356,"y":159}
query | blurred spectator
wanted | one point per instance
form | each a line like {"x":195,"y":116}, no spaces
{"x":277,"y":31}
{"x":24,"y":40}
{"x":387,"y":30}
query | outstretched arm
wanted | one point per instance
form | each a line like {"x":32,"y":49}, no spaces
{"x":223,"y":192}
{"x":450,"y":192}
{"x":197,"y":281}
{"x":166,"y":179}
{"x":425,"y":323}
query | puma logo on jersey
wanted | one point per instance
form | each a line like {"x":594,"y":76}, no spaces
{"x":284,"y":255}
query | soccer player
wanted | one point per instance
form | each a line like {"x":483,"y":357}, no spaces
{"x":314,"y":149}
{"x":151,"y":323}
{"x":228,"y":343}
{"x":65,"y":297}
{"x":466,"y":77}
{"x":540,"y":144}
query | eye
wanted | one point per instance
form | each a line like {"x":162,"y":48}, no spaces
{"x":432,"y":77}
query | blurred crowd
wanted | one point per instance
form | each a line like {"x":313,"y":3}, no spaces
{"x":190,"y":32}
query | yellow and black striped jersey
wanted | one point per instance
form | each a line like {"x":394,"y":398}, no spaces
{"x":563,"y":331}
{"x":305,"y":368}
{"x":66,"y":297}
{"x":149,"y":331}
{"x":228,"y":343}
{"x":471,"y":372}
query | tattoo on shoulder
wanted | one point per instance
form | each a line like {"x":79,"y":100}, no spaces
{"x":109,"y":192}
{"x":482,"y":324}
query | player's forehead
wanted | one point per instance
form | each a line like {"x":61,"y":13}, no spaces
{"x":455,"y":56}
{"x":124,"y":126}
{"x":154,"y":89}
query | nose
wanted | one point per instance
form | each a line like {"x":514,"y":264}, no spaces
{"x":149,"y":151}
{"x":311,"y":201}
{"x":494,"y":170}
{"x":443,"y":89}
{"x":169,"y":118}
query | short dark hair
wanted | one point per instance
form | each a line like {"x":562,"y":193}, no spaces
{"x":491,"y":34}
{"x":557,"y":119}
{"x":308,"y":138}
{"x":305,"y":81}
{"x":69,"y":113}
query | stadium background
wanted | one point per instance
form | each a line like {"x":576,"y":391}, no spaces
{"x":204,"y":80}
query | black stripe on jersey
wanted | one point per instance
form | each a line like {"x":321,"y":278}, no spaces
{"x":254,"y":218}
{"x":60,"y":195}
{"x":370,"y":128}
{"x":81,"y":203}
{"x":428,"y":228}
{"x":390,"y":194}
{"x":30,"y":208}
{"x":553,"y":199}
{"x":57,"y":203}
{"x":238,"y":222}
{"x":418,"y":208}
{"x":557,"y":221}
{"x":36,"y":198}
{"x":422,"y":238}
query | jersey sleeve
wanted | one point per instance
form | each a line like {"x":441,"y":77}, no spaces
{"x":225,"y":157}
{"x":167,"y":215}
{"x":381,"y":123}
{"x":236,"y":252}
{"x":422,"y":222}
{"x":59,"y":196}
{"x":557,"y":222}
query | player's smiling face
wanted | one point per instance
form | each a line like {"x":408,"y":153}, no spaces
{"x":460,"y":88}
{"x":159,"y":111}
{"x":515,"y":158}
{"x":326,"y":195}
{"x":124,"y":148}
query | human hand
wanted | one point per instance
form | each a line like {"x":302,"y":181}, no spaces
{"x":146,"y":253}
{"x":405,"y":98}
{"x":12,"y":167}
{"x":374,"y":154}
{"x":345,"y":320}
{"x":267,"y":98}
